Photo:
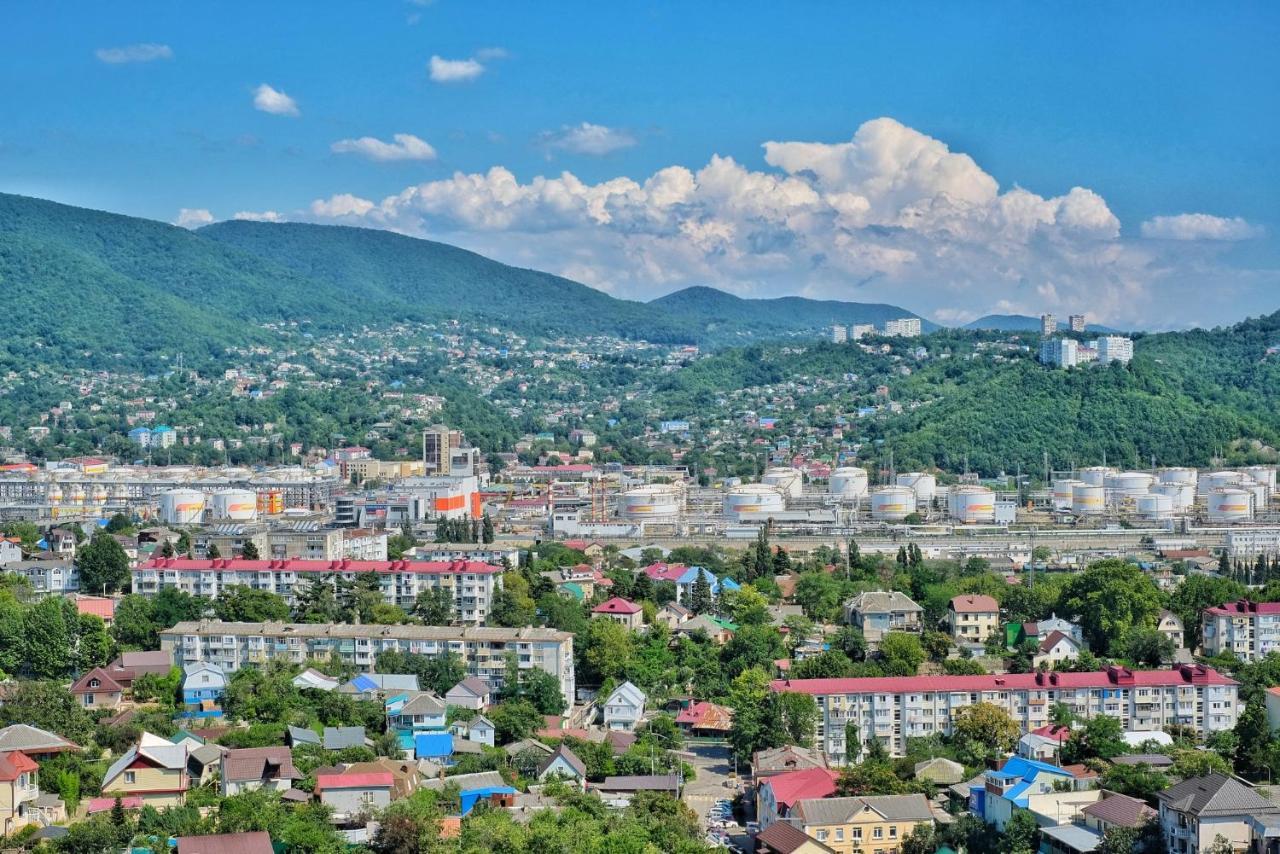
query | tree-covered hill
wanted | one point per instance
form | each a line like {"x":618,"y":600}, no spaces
{"x":725,"y":317}
{"x":1021,"y":323}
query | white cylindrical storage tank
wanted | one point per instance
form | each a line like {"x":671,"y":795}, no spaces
{"x":239,"y":505}
{"x":1155,"y":506}
{"x":1261,"y":496}
{"x":892,"y":503}
{"x":848,"y":483}
{"x":924,"y":485}
{"x":1062,"y":492}
{"x":76,"y":496}
{"x":1088,"y":500}
{"x":1178,"y":474}
{"x":181,"y":506}
{"x":98,"y":495}
{"x":1183,"y":495}
{"x":1128,"y":485}
{"x":1265,"y":475}
{"x":790,"y":482}
{"x":1096,"y":475}
{"x":1219,"y":480}
{"x":1230,"y":505}
{"x":971,"y":505}
{"x":54,"y":494}
{"x":753,"y":499}
{"x":650,"y":503}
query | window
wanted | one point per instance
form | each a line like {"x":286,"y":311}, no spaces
{"x":857,"y":834}
{"x":893,"y":832}
{"x":877,"y":832}
{"x":839,"y":834}
{"x":88,"y":699}
{"x":130,"y":777}
{"x":822,"y":836}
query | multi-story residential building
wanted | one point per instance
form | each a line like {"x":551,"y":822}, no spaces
{"x":1248,"y":630}
{"x":876,"y":612}
{"x":450,"y":552}
{"x":1062,"y":352}
{"x":1114,"y":348}
{"x":482,"y":650}
{"x":364,"y":544}
{"x":858,"y":331}
{"x":1048,"y":324}
{"x":48,"y":577}
{"x":1076,"y":322}
{"x":905,"y":327}
{"x":1170,"y":625}
{"x":1251,"y":542}
{"x":871,"y":824}
{"x":839,"y":334}
{"x":1195,"y":812}
{"x":471,"y":585}
{"x":973,"y":618}
{"x":893,"y":709}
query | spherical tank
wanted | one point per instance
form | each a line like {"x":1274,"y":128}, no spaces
{"x":240,"y":505}
{"x":181,"y":506}
{"x":1230,"y":505}
{"x":1154,"y":505}
{"x":657,"y":501}
{"x":753,"y":499}
{"x":970,"y":505}
{"x":1096,"y":475}
{"x":849,"y":483}
{"x":1088,"y":500}
{"x":923,"y":484}
{"x":892,"y":503}
{"x":1062,"y":492}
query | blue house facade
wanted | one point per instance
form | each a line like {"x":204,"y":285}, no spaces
{"x":203,"y":687}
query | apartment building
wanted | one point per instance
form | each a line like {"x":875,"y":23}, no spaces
{"x":893,"y":709}
{"x":482,"y":649}
{"x":1251,"y":542}
{"x":906,"y":327}
{"x":471,"y":585}
{"x":1246,"y":629}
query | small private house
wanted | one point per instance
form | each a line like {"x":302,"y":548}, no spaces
{"x":563,"y":764}
{"x":1044,"y":744}
{"x":154,"y":772}
{"x":315,"y":680}
{"x":783,"y":838}
{"x":351,"y":796}
{"x":624,"y":708}
{"x":785,"y":759}
{"x":414,"y":713}
{"x":973,"y":618}
{"x":875,"y":613}
{"x":1170,"y":625}
{"x":379,"y":686}
{"x":203,"y":686}
{"x":617,"y":792}
{"x":21,"y":801}
{"x":481,"y":730}
{"x":1195,"y":812}
{"x":776,"y":795}
{"x":342,"y":737}
{"x":254,"y":768}
{"x":621,"y":611}
{"x":36,"y":743}
{"x":1017,"y":783}
{"x":872,"y":823}
{"x":704,"y":719}
{"x":471,"y":693}
{"x":98,"y":689}
{"x":1056,"y":649}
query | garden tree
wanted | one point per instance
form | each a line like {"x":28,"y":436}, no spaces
{"x":514,"y":720}
{"x":985,"y":728}
{"x":103,"y":565}
{"x":902,"y":653}
{"x":434,"y":607}
{"x":832,"y":664}
{"x":486,"y":529}
{"x":820,"y":595}
{"x":119,"y":523}
{"x":1220,"y":845}
{"x":1196,"y":593}
{"x":49,"y":632}
{"x":241,"y":604}
{"x":1021,"y":834}
{"x":1197,"y":763}
{"x":543,"y":690}
{"x":94,"y":647}
{"x":1022,"y":603}
{"x":752,"y":646}
{"x":781,"y":562}
{"x":562,"y":612}
{"x":923,"y":839}
{"x":249,"y":551}
{"x":166,"y":549}
{"x":150,"y":687}
{"x":851,"y":641}
{"x":963,"y":667}
{"x":797,"y":716}
{"x":411,"y":824}
{"x":47,"y":705}
{"x":700,"y":593}
{"x":1257,"y":754}
{"x":1101,"y":737}
{"x":1147,"y":647}
{"x":1147,"y":838}
{"x":605,"y":651}
{"x":1060,"y":714}
{"x":1139,"y":781}
{"x":873,"y":777}
{"x":936,"y":644}
{"x":92,"y":836}
{"x":213,"y":552}
{"x":27,"y":532}
{"x":183,"y":545}
{"x":12,"y":635}
{"x":746,"y":606}
{"x":642,"y":588}
{"x":437,"y":673}
{"x":316,"y":600}
{"x":754,"y":727}
{"x":1109,"y":599}
{"x":513,"y":605}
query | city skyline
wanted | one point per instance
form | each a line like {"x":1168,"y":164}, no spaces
{"x":1018,"y":162}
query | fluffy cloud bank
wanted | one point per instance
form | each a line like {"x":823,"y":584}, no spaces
{"x":890,"y":215}
{"x":271,"y":100}
{"x":193,"y":217}
{"x":405,"y":146}
{"x":1198,"y":226}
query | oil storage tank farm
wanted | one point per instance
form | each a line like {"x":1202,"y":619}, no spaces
{"x":892,"y":503}
{"x":181,"y":506}
{"x":790,"y":482}
{"x":753,"y":500}
{"x":972,"y":505}
{"x":1230,"y":504}
{"x":239,"y":505}
{"x":848,"y":483}
{"x":1125,"y":487}
{"x":652,"y":503}
{"x":1154,"y":506}
{"x":1096,"y":475}
{"x":924,"y":485}
{"x":1181,"y":494}
{"x":1062,"y":492}
{"x":1088,"y":499}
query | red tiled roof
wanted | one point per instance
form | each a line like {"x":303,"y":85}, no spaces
{"x":96,"y":805}
{"x":14,"y":764}
{"x":617,"y":605}
{"x":798,"y":785}
{"x":704,"y":715}
{"x":97,"y":606}
{"x":1181,"y":675}
{"x":1244,"y":607}
{"x":106,"y":684}
{"x":425,"y":567}
{"x":665,"y":571}
{"x":367,"y":780}
{"x":1053,"y":731}
{"x":972,"y":603}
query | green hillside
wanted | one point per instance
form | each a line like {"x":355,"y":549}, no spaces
{"x":725,"y":317}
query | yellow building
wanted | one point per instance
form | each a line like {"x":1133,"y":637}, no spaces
{"x":973,"y":618}
{"x":155,"y":771}
{"x":867,"y":825}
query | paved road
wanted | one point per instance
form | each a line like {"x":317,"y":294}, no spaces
{"x":714,"y":766}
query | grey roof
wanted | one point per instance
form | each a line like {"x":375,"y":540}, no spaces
{"x":571,"y":759}
{"x":940,"y":770}
{"x":515,"y":748}
{"x":473,"y":685}
{"x":1215,"y":795}
{"x":660,"y":783}
{"x":339,"y":737}
{"x":302,"y":735}
{"x":1155,"y":760}
{"x":841,"y":810}
{"x":479,"y":780}
{"x":882,"y":602}
{"x":1120,"y":810}
{"x":961,"y":790}
{"x":788,"y":758}
{"x":1073,"y":836}
{"x":426,"y":703}
{"x":33,"y":740}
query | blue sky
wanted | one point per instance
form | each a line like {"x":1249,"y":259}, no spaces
{"x":955,"y":199}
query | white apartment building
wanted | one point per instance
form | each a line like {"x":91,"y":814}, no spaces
{"x":472,"y":585}
{"x":364,"y":544}
{"x":858,"y":331}
{"x":1062,"y":352}
{"x":1251,"y":542}
{"x":1248,"y":630}
{"x":839,"y":334}
{"x":482,"y":650}
{"x":1114,"y":348}
{"x":895,"y":708}
{"x":905,"y":327}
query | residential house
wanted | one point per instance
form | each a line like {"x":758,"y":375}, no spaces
{"x":481,"y":730}
{"x":255,"y":768}
{"x":315,"y":680}
{"x":1055,"y":649}
{"x":617,"y":792}
{"x":705,"y":719}
{"x":1011,"y":787}
{"x":875,"y":613}
{"x":783,"y":838}
{"x":1246,"y":629}
{"x":940,"y":771}
{"x":1170,"y":625}
{"x":471,"y":693}
{"x":1198,"y":810}
{"x":154,"y":771}
{"x":515,"y":748}
{"x":621,"y":611}
{"x":405,"y":777}
{"x":342,"y":737}
{"x":98,"y":689}
{"x":434,"y":746}
{"x":718,"y":630}
{"x":296,"y":735}
{"x":782,"y":760}
{"x":624,"y":708}
{"x":776,"y":795}
{"x":411,"y":714}
{"x":1044,"y":744}
{"x":973,"y":618}
{"x":865,"y":824}
{"x":673,"y":614}
{"x":563,"y":764}
{"x":36,"y":743}
{"x":378,"y":686}
{"x":203,"y":686}
{"x":21,"y":802}
{"x":249,"y":842}
{"x":353,"y":795}
{"x":102,"y":607}
{"x":1116,"y":810}
{"x":483,"y":786}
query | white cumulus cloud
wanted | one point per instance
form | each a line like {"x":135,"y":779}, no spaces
{"x":145,"y":52}
{"x":405,"y":146}
{"x":454,"y":70}
{"x":1199,"y":226}
{"x":193,"y":217}
{"x":588,"y":138}
{"x":259,"y":216}
{"x":271,"y":100}
{"x":341,"y":205}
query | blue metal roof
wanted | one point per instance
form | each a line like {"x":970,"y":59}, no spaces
{"x":433,"y":745}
